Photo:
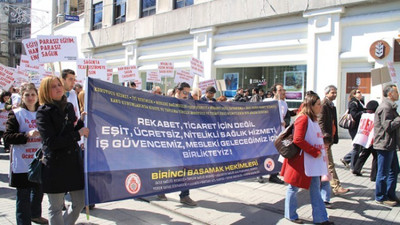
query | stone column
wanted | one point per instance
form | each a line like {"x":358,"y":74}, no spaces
{"x":323,"y":65}
{"x":203,"y":49}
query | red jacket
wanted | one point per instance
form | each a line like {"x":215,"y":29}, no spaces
{"x":293,"y":169}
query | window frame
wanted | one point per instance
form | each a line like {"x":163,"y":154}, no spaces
{"x":98,"y":25}
{"x":18,"y":30}
{"x":122,"y":17}
{"x":149,"y":10}
{"x":185,"y":3}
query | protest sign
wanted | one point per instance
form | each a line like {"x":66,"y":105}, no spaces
{"x":184,"y":76}
{"x":153,"y":76}
{"x":27,"y":65}
{"x":204,"y":84}
{"x":143,"y":144}
{"x":97,"y":68}
{"x":166,"y":69}
{"x":6,"y":77}
{"x":196,"y":67}
{"x":3,"y":119}
{"x":127,"y":73}
{"x":20,"y":77}
{"x":110,"y":75}
{"x":57,"y":48}
{"x":138,"y":82}
{"x":31,"y":49}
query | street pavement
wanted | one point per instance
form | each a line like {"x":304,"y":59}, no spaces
{"x":241,"y":202}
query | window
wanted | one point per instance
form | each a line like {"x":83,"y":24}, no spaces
{"x":18,"y":48}
{"x":97,"y":15}
{"x":182,"y":3}
{"x":119,"y":11}
{"x":18,"y":32}
{"x":148,"y":7}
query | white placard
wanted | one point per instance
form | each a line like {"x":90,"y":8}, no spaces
{"x":31,"y":49}
{"x":197,"y":67}
{"x":138,"y":82}
{"x":57,"y":48}
{"x":20,"y":77}
{"x":27,"y":65}
{"x":153,"y":76}
{"x":204,"y":84}
{"x":127,"y":73}
{"x":36,"y":79}
{"x":392,"y":72}
{"x":6,"y":77}
{"x":97,"y":69}
{"x":166,"y":69}
{"x":184,"y":76}
{"x":110,"y":75}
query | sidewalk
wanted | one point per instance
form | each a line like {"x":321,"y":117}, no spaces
{"x":241,"y":202}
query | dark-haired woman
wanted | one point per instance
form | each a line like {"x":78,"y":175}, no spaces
{"x":4,"y":98}
{"x":22,"y":133}
{"x":356,"y":109}
{"x":305,"y":169}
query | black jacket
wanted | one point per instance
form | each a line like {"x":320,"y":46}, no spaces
{"x":62,"y":169}
{"x":356,"y":109}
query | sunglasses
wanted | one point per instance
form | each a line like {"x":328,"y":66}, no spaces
{"x":358,"y":92}
{"x":185,"y":92}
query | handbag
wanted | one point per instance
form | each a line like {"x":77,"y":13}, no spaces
{"x":284,"y":143}
{"x":346,"y":121}
{"x":35,"y":168}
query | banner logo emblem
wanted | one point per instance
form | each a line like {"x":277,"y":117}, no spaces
{"x":133,"y":183}
{"x":269,"y":164}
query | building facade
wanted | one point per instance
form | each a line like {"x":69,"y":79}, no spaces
{"x":15,"y":25}
{"x":304,"y":44}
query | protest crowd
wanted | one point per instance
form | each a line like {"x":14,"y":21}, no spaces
{"x":51,"y":118}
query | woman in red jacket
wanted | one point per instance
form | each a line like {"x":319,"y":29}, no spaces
{"x":304,"y":170}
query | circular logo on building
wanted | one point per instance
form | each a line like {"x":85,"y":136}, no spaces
{"x":269,"y":164}
{"x":133,"y":183}
{"x":379,"y":49}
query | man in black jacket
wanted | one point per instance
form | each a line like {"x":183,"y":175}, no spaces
{"x":327,"y":120}
{"x":386,"y":125}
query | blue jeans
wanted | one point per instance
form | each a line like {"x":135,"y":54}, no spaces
{"x":318,"y":207}
{"x":326,"y":191}
{"x":29,"y":204}
{"x":56,"y":203}
{"x":386,"y":178}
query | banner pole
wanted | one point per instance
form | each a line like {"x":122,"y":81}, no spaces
{"x":59,"y":65}
{"x":85,"y":141}
{"x":165,"y":85}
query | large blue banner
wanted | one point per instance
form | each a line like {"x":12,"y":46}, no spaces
{"x":144,"y":144}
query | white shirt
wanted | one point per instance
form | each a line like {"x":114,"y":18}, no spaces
{"x":73,"y":99}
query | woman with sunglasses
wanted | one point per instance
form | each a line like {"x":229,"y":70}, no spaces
{"x":356,"y":109}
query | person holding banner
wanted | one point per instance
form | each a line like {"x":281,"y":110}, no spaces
{"x":182,"y":92}
{"x":4,"y":98}
{"x":209,"y":95}
{"x":23,"y":135}
{"x":62,"y":169}
{"x":306,"y":168}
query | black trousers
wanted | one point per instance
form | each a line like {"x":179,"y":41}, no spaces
{"x":365,"y":152}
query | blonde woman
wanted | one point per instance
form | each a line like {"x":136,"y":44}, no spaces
{"x":62,"y":169}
